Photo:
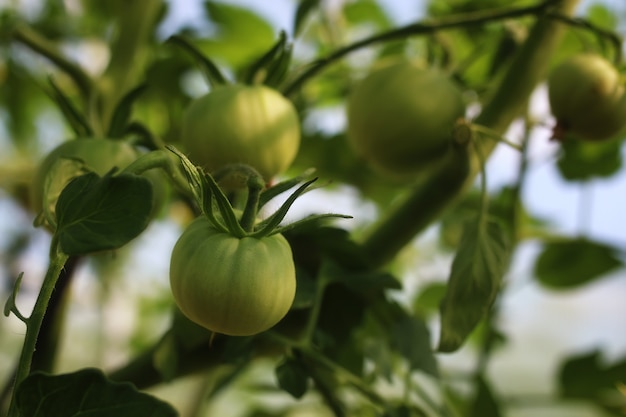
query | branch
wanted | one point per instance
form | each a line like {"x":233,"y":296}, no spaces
{"x":419,"y":28}
{"x":424,"y":204}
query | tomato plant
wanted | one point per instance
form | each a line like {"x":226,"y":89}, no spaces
{"x":230,"y":285}
{"x":249,"y":124}
{"x":401,"y":117}
{"x":587,"y":98}
{"x":275,"y":311}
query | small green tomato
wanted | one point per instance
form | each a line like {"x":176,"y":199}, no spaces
{"x":242,"y":124}
{"x":401,"y":118}
{"x":586,"y":95}
{"x":230,"y":285}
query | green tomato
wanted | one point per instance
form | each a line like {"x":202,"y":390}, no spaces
{"x":98,"y":155}
{"x":401,"y":118}
{"x":253,"y":125}
{"x":586,"y":95}
{"x":230,"y":285}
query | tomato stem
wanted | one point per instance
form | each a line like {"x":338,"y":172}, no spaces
{"x":418,"y":28}
{"x":33,"y":323}
{"x":159,"y":159}
{"x":255,"y":187}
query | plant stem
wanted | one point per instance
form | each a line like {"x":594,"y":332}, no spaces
{"x":429,"y":199}
{"x":417,"y":210}
{"x":129,"y":51}
{"x":45,"y":48}
{"x":159,"y":159}
{"x":419,"y":28}
{"x":33,"y":325}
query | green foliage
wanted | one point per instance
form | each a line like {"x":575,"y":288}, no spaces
{"x":85,"y":392}
{"x":574,"y":262}
{"x":357,"y":339}
{"x":475,"y":280}
{"x":101,"y":213}
{"x":589,"y":376}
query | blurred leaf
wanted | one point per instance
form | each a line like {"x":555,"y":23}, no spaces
{"x":85,"y":393}
{"x":73,"y":116}
{"x":500,"y":208}
{"x":123,"y":111}
{"x":574,"y":262}
{"x":165,"y":357}
{"x":101,"y":213}
{"x":429,"y":298}
{"x":477,"y":271}
{"x":411,"y":338}
{"x":588,"y":377}
{"x":583,"y":160}
{"x":405,"y":411}
{"x":365,"y":281}
{"x":241,"y":34}
{"x":292,"y":377}
{"x":305,"y":7}
{"x":366,"y":11}
{"x":484,"y":402}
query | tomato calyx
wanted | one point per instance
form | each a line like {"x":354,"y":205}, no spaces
{"x":217,"y":208}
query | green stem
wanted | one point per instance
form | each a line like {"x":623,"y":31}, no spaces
{"x":418,"y":209}
{"x":314,"y":314}
{"x":160,"y":159}
{"x":33,"y":324}
{"x":45,"y":48}
{"x":255,"y":187}
{"x":429,"y":199}
{"x":129,"y":51}
{"x":420,"y":28}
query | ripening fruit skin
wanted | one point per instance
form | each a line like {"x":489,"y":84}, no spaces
{"x":230,"y":285}
{"x":586,"y":97}
{"x":236,"y":123}
{"x":401,"y":118}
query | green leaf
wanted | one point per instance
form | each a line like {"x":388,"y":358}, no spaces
{"x":484,"y":402}
{"x":429,"y":299}
{"x":411,"y":338}
{"x":359,"y":281}
{"x":292,"y":377}
{"x":589,"y":377}
{"x":85,"y":393}
{"x":240,"y":34}
{"x":477,"y":270}
{"x":571,"y":263}
{"x":258,"y":69}
{"x":305,"y":7}
{"x":101,"y":213}
{"x":368,"y":11}
{"x":583,"y":160}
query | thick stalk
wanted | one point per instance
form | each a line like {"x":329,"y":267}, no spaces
{"x":129,"y":52}
{"x":427,"y":201}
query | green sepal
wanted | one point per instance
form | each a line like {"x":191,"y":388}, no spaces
{"x":121,"y":115}
{"x":212,"y":73}
{"x":266,"y":60}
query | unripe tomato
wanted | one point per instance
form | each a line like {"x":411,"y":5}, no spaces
{"x":401,"y":118}
{"x":230,"y":285}
{"x":237,"y":123}
{"x":586,"y":95}
{"x":100,"y":156}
